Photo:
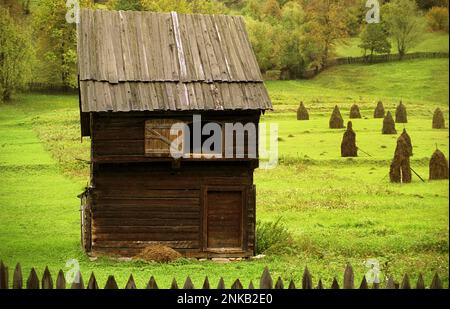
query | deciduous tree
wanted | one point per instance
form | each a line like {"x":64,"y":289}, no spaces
{"x":374,"y":39}
{"x":404,"y":23}
{"x":15,"y":55}
{"x":328,"y":20}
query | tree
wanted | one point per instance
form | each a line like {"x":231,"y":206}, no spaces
{"x":125,"y":5}
{"x":374,"y":39}
{"x":291,"y":58}
{"x":183,"y":6}
{"x":56,"y":42}
{"x":326,"y":25}
{"x":265,"y":40}
{"x":404,"y":23}
{"x":272,"y":9}
{"x":437,"y":18}
{"x":15,"y":55}
{"x":428,"y":4}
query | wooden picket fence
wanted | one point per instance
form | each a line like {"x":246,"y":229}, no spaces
{"x":266,"y":282}
{"x":386,"y":58}
{"x":374,"y":59}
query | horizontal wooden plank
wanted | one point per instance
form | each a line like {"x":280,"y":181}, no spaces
{"x":144,"y":229}
{"x":185,"y":244}
{"x":145,"y":192}
{"x":147,"y":222}
{"x":147,"y":203}
{"x":145,"y":214}
{"x":118,"y":147}
{"x":157,"y":236}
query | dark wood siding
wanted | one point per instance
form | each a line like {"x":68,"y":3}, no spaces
{"x":121,"y":137}
{"x":135,"y":205}
{"x":224,"y":213}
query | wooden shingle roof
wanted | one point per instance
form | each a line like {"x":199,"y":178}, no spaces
{"x":145,"y":61}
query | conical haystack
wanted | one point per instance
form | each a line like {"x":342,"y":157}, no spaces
{"x":379,"y":110}
{"x":388,"y":124}
{"x":302,"y":112}
{"x":400,"y":170}
{"x":348,"y":145}
{"x":400,"y":114}
{"x":354,"y":112}
{"x":438,"y":119}
{"x":438,"y":166}
{"x":336,"y":121}
{"x":405,"y":135}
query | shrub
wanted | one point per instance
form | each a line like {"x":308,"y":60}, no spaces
{"x":272,"y":75}
{"x":437,"y":18}
{"x":270,"y":234}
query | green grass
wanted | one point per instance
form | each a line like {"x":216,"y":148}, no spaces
{"x":430,"y":42}
{"x":338,"y":210}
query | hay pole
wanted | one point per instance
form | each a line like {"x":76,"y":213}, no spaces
{"x":416,"y":174}
{"x":364,"y":152}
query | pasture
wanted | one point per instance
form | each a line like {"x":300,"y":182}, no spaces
{"x":338,"y":210}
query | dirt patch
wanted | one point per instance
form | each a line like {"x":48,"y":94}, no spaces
{"x":336,"y":121}
{"x":400,"y":170}
{"x":379,"y":110}
{"x":158,"y":253}
{"x":355,"y":112}
{"x":388,"y":124}
{"x":438,"y":166}
{"x":348,"y":145}
{"x":302,"y":112}
{"x":438,"y":119}
{"x":400,"y":114}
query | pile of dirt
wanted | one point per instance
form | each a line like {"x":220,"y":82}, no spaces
{"x":388,"y":124}
{"x":400,"y":114}
{"x":438,"y":166}
{"x":302,"y":112}
{"x":400,"y":170}
{"x":379,"y":110}
{"x":407,"y":138}
{"x":158,"y":253}
{"x":438,"y":119}
{"x":348,"y":145}
{"x":354,"y":112}
{"x":336,"y":121}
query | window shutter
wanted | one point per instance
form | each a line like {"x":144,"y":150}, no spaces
{"x":157,"y":137}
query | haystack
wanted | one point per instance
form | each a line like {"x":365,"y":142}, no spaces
{"x":407,"y":138}
{"x":302,"y":112}
{"x":388,"y":124}
{"x":438,"y":166}
{"x":379,"y":110}
{"x":400,"y":170}
{"x":438,"y":119}
{"x":400,"y":114}
{"x":354,"y":112}
{"x":336,"y":121}
{"x":348,"y":145}
{"x":158,"y":253}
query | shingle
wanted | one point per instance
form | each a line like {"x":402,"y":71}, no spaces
{"x":149,"y":96}
{"x":139,"y":61}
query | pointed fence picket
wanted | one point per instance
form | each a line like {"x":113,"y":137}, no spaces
{"x":266,"y":281}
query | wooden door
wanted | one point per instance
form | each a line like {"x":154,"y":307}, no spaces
{"x":223,"y":218}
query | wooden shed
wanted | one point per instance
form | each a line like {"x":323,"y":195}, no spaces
{"x":139,"y":73}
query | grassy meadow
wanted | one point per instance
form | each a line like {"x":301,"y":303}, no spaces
{"x":338,"y":210}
